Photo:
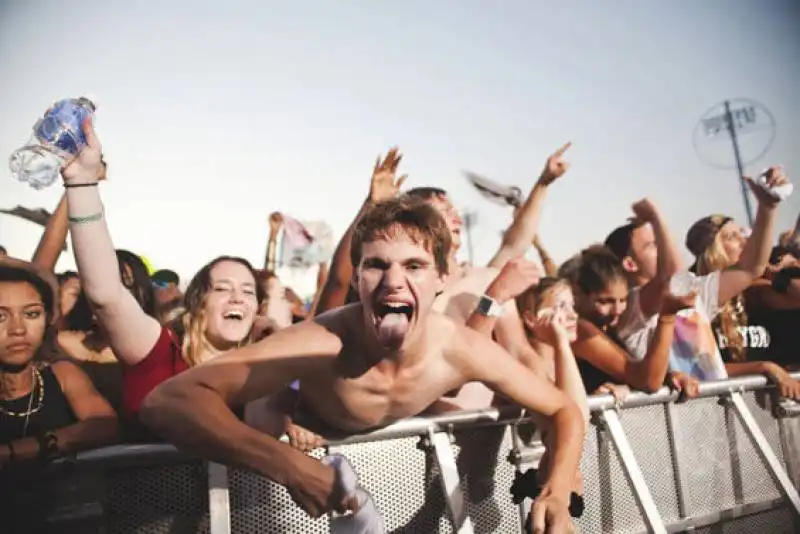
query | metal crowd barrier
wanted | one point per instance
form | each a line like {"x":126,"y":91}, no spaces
{"x":726,"y":462}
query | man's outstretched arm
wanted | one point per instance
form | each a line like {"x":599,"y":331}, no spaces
{"x":487,"y":362}
{"x":193,"y":410}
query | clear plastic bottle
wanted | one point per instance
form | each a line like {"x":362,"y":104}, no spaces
{"x":683,"y":283}
{"x":57,"y":139}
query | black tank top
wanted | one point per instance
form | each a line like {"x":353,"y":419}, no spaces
{"x":592,"y":376}
{"x":54,"y":414}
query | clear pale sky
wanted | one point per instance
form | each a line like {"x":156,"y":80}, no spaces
{"x":214,"y":114}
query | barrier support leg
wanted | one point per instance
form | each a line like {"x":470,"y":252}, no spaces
{"x":633,"y":473}
{"x":219,"y":506}
{"x":451,"y":483}
{"x":766,"y":453}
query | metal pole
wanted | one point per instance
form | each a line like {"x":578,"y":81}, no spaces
{"x":469,"y":221}
{"x":738,"y":157}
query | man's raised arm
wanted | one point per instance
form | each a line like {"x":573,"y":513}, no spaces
{"x":669,"y":258}
{"x":384,"y":185}
{"x":523,"y":229}
{"x":193,"y":409}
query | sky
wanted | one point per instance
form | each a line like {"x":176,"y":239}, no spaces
{"x":214,"y":114}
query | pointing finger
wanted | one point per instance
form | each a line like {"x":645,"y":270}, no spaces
{"x":560,"y":151}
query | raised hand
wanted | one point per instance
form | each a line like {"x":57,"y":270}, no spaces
{"x":275,"y":222}
{"x":775,"y":178}
{"x":385,"y":184}
{"x":516,"y":276}
{"x":89,"y":166}
{"x":645,"y":211}
{"x":555,"y":166}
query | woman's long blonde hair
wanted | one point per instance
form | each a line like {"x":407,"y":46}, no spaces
{"x":193,"y":321}
{"x":732,"y":314}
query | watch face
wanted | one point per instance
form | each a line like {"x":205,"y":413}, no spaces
{"x":485,"y":306}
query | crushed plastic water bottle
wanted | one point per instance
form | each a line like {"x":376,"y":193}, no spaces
{"x":778,"y":192}
{"x":683,"y":284}
{"x":57,"y":139}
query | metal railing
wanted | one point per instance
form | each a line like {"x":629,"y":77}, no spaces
{"x":650,"y":465}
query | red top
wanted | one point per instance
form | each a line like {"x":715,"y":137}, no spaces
{"x":162,"y":363}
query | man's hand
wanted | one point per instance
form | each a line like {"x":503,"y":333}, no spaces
{"x":775,"y":178}
{"x":515,"y":277}
{"x":686,"y":385}
{"x":645,"y":211}
{"x":88,"y":167}
{"x":555,"y":166}
{"x":314,"y":489}
{"x":384,"y":184}
{"x":551,"y":514}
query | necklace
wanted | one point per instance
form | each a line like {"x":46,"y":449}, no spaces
{"x":37,"y":386}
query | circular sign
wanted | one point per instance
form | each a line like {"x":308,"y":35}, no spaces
{"x":754,"y":127}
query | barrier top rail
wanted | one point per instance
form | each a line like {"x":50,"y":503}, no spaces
{"x":415,"y":426}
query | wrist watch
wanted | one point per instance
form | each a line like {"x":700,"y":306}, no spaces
{"x":488,"y":307}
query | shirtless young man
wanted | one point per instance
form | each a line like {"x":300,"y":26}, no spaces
{"x":466,"y":288}
{"x":364,"y":366}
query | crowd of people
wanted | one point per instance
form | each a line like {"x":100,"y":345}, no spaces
{"x":113,"y":353}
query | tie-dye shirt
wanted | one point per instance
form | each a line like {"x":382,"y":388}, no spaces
{"x":694,"y":348}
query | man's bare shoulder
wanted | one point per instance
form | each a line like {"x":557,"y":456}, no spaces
{"x":461,"y":343}
{"x":340,"y":319}
{"x":460,"y":297}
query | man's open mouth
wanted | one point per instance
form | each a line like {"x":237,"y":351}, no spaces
{"x":392,"y":321}
{"x":386,"y":308}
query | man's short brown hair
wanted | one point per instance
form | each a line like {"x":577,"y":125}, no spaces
{"x":620,"y":239}
{"x":413,"y":218}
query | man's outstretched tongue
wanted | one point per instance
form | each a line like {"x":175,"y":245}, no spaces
{"x":392,"y":329}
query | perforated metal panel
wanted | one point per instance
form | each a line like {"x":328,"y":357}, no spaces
{"x":610,"y":505}
{"x":260,"y":506}
{"x":158,"y":500}
{"x":647,"y":432}
{"x":405,"y":489}
{"x":402,"y":479}
{"x":701,"y":442}
{"x":760,"y":405}
{"x":772,"y":522}
{"x":487,"y":475}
